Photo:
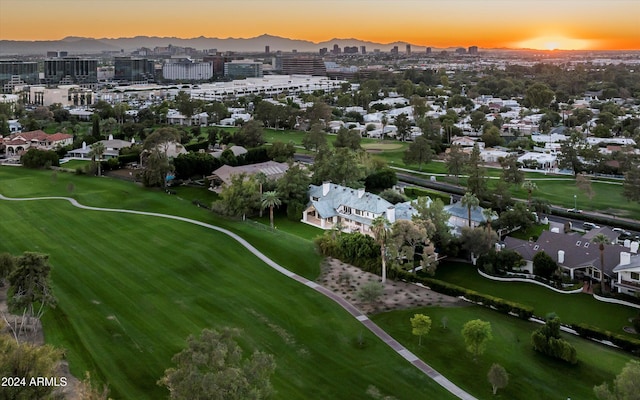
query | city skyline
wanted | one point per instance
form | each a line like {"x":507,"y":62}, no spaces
{"x":542,"y":24}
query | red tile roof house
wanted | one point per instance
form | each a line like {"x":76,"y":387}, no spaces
{"x":18,"y":143}
{"x":578,"y":256}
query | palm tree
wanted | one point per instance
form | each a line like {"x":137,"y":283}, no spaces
{"x":384,"y":122}
{"x":489,"y":215}
{"x":270,"y":199}
{"x":601,"y":240}
{"x":380,"y":230}
{"x":529,"y":186}
{"x":96,"y":152}
{"x":470,"y":201}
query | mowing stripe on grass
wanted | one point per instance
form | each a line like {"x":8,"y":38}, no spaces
{"x":385,"y":337}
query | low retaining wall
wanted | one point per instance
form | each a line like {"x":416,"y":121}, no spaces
{"x":616,"y":301}
{"x":495,"y":278}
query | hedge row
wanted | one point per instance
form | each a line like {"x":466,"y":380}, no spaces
{"x":197,"y":146}
{"x":500,"y":305}
{"x":626,"y":343}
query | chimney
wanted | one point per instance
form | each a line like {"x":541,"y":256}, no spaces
{"x":633,"y":247}
{"x":84,"y":145}
{"x":326,"y":186}
{"x":391,"y":214}
{"x":625,"y":258}
{"x":360,"y":193}
{"x":560,"y":256}
{"x":110,"y":136}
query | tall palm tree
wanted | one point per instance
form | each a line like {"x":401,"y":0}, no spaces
{"x":271,"y":199}
{"x":470,"y":201}
{"x":601,"y":240}
{"x":380,"y":230}
{"x":489,"y":214}
{"x":529,"y":186}
{"x":96,"y":152}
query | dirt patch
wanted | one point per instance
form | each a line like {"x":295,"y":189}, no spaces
{"x":33,"y":334}
{"x":345,"y":280}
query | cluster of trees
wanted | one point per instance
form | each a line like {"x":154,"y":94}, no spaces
{"x":36,"y":158}
{"x":213,"y":366}
{"x":547,"y":340}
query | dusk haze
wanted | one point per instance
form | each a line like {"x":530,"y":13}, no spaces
{"x":543,"y":25}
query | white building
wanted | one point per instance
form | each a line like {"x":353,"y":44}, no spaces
{"x":187,"y":70}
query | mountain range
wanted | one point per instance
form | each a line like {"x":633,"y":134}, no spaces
{"x":81,"y":45}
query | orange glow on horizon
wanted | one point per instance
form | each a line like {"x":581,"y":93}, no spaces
{"x":562,"y":25}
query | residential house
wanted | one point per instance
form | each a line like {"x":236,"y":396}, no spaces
{"x":222,"y":176}
{"x":628,"y":273}
{"x":353,"y":210}
{"x":575,"y":254}
{"x":18,"y":143}
{"x":459,"y":217}
{"x":111,"y":148}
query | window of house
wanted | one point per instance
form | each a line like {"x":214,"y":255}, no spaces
{"x":635,"y":276}
{"x":358,"y":212}
{"x":315,"y":198}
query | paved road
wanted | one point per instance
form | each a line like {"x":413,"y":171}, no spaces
{"x":375,"y":329}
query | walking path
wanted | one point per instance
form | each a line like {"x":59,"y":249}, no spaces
{"x":373,"y":327}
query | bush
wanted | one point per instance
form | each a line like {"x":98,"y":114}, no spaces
{"x":194,"y":147}
{"x":415,"y":192}
{"x":36,"y":158}
{"x":547,"y":340}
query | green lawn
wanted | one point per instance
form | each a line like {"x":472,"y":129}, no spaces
{"x":131,"y":288}
{"x":571,"y":308}
{"x":73,"y":164}
{"x":531,"y":375}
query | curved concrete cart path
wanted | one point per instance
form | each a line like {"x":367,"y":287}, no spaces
{"x":364,"y":320}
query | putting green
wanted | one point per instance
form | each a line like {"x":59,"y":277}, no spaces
{"x":382,"y":146}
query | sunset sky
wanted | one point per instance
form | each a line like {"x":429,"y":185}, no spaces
{"x":541,"y":24}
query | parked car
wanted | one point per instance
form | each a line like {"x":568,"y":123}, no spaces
{"x":621,"y":231}
{"x":574,"y":210}
{"x":587,"y":226}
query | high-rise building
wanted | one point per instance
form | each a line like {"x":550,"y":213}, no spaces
{"x":350,"y":50}
{"x":217,"y":63}
{"x":303,"y":65}
{"x":323,"y":51}
{"x":336,"y":49}
{"x":461,"y":50}
{"x":429,"y":50}
{"x":363,"y":49}
{"x":243,"y":69}
{"x":408,"y":50}
{"x":185,"y":69}
{"x":394,"y":50}
{"x":267,"y":50}
{"x":129,"y":69}
{"x":14,"y":73}
{"x":71,"y":70}
{"x":473,"y":50}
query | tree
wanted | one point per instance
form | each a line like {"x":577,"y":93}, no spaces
{"x":96,"y":152}
{"x":491,"y":136}
{"x":470,"y":201}
{"x":280,"y":151}
{"x":402,"y":124}
{"x":36,"y":158}
{"x":538,"y":95}
{"x":631,"y":184}
{"x":26,"y":360}
{"x":270,"y":199}
{"x":433,"y":213}
{"x":419,"y":151}
{"x":239,"y":198}
{"x":601,"y":239}
{"x":497,"y":377}
{"x":381,"y":179}
{"x":316,"y":139}
{"x":380,"y":230}
{"x":7,"y":265}
{"x":478,"y":119}
{"x":370,"y":292}
{"x":547,"y":340}
{"x":569,"y":155}
{"x":477,"y":181}
{"x":543,"y":265}
{"x":510,"y":171}
{"x":583,"y":182}
{"x":250,"y":134}
{"x":293,"y":188}
{"x":455,"y":161}
{"x":340,"y":165}
{"x":626,"y":386}
{"x":420,"y":325}
{"x":348,"y":138}
{"x":405,"y":237}
{"x":155,"y":160}
{"x":476,"y":334}
{"x":319,"y":112}
{"x":530,"y":187}
{"x":477,"y":241}
{"x":213,"y":367}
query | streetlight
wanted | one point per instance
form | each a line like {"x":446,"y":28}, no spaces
{"x":575,"y":202}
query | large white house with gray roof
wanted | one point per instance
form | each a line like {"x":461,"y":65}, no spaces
{"x":352,"y":209}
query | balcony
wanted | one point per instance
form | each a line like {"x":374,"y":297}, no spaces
{"x":631,"y":284}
